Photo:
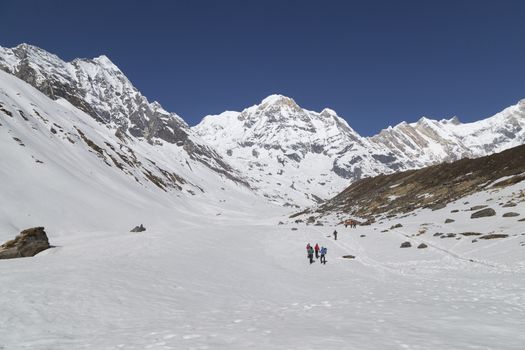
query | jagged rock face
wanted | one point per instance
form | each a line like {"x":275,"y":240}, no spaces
{"x":28,"y":243}
{"x":100,"y":89}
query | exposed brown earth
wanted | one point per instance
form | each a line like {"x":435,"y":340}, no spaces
{"x":431,"y":187}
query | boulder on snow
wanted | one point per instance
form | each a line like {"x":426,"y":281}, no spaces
{"x":509,"y":205}
{"x":478,"y":207}
{"x":294,"y":228}
{"x":29,"y":242}
{"x":405,"y":245}
{"x":396,"y":226}
{"x":448,"y":221}
{"x":348,"y":257}
{"x":138,"y":229}
{"x":483,"y":213}
{"x":494,"y":236}
{"x":510,"y":214}
{"x":470,"y":234}
{"x":422,"y":246}
{"x":523,"y":219}
{"x":454,"y":211}
{"x":438,"y":206}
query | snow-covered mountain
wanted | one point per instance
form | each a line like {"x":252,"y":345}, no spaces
{"x":430,"y":141}
{"x":293,"y":154}
{"x":298,"y":156}
{"x":288,"y":154}
{"x":100,"y":89}
{"x":59,"y":166}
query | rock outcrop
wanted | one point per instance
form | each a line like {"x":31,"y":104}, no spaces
{"x":138,"y":229}
{"x":28,"y":243}
{"x":483,"y":213}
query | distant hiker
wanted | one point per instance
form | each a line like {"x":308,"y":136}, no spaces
{"x":311,"y":255}
{"x":316,"y":248}
{"x":335,"y":235}
{"x":323,"y":255}
{"x":308,"y":246}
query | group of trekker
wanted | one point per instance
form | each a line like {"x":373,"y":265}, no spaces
{"x":319,"y":251}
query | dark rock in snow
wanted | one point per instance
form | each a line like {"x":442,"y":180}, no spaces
{"x":294,"y":228}
{"x":523,"y":219}
{"x":509,"y":204}
{"x":405,"y":245}
{"x":448,"y":235}
{"x":29,"y":242}
{"x":422,"y":246}
{"x":510,"y":215}
{"x":448,"y":221}
{"x":470,"y":234}
{"x":454,"y":211}
{"x":396,"y":226}
{"x":138,"y":229}
{"x":494,"y":236}
{"x":478,"y":207}
{"x":483,"y":213}
{"x":348,"y":257}
{"x":438,"y":206}
{"x":362,"y":236}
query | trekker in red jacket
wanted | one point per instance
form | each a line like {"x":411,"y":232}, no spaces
{"x":316,"y":251}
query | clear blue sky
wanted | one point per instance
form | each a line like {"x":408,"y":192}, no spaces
{"x":375,"y":62}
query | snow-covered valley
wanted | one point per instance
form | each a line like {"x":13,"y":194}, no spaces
{"x":239,"y":280}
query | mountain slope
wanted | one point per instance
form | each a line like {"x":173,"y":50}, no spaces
{"x":292,"y":154}
{"x":430,"y":141}
{"x":431,"y":187}
{"x":60,"y":164}
{"x":100,"y":89}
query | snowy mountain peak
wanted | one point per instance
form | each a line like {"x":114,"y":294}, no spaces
{"x":105,"y":62}
{"x":276,"y":99}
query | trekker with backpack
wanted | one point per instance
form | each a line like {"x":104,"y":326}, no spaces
{"x":323,"y":255}
{"x":335,"y":235}
{"x":311,"y":255}
{"x":316,"y":248}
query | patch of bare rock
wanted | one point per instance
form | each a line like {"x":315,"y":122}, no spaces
{"x":28,"y":243}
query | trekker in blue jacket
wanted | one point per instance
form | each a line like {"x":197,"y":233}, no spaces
{"x":323,"y":255}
